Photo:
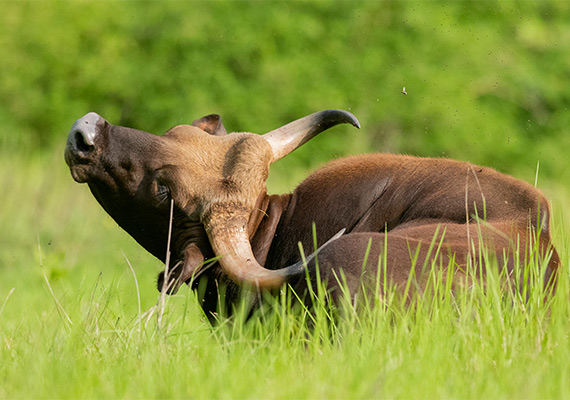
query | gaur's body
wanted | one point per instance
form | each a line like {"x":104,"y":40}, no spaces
{"x":216,"y":185}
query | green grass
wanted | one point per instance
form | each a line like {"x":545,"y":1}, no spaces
{"x":71,"y":325}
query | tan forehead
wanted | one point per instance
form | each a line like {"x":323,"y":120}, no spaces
{"x":187,"y":134}
{"x":207,"y":166}
{"x":189,"y":144}
{"x":192,"y":137}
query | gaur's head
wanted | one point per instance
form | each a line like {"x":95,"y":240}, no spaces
{"x":210,"y":178}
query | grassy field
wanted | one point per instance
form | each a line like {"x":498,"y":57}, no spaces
{"x":487,"y":82}
{"x":77,"y":322}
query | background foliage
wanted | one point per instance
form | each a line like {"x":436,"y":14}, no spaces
{"x":487,"y":82}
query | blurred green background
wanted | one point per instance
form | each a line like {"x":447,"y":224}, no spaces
{"x":487,"y":82}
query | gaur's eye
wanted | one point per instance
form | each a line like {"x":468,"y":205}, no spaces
{"x":162,"y":191}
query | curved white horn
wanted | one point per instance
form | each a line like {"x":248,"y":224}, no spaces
{"x":291,"y":136}
{"x":228,"y":236}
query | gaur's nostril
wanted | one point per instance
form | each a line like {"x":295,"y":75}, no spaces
{"x":83,"y":133}
{"x":81,"y":143}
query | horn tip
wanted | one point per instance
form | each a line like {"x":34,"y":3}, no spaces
{"x":354,"y":121}
{"x":347,"y":118}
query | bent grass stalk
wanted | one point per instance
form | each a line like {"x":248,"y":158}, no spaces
{"x":139,"y":318}
{"x":6,"y":301}
{"x":61,"y":311}
{"x":166,"y":281}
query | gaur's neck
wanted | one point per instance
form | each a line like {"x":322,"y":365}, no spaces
{"x":263,"y":222}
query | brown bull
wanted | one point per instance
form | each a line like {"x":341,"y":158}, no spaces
{"x":216,"y":184}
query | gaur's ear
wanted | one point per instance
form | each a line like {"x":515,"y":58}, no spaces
{"x":212,"y":124}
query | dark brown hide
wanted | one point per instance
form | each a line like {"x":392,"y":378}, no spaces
{"x":411,"y":198}
{"x":374,"y":192}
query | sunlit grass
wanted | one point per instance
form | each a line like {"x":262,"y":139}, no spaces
{"x":479,"y":342}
